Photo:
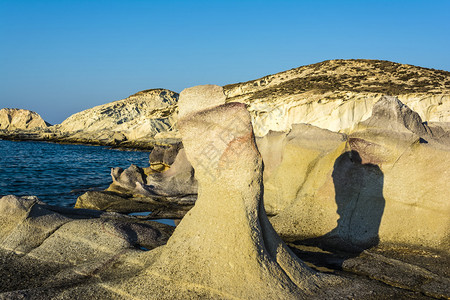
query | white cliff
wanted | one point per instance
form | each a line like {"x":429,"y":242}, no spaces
{"x":338,"y":94}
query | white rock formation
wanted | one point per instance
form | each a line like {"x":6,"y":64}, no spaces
{"x":334,"y":95}
{"x":225,"y":246}
{"x":338,"y":94}
{"x":13,"y":118}
{"x":340,"y":115}
{"x":141,"y":115}
{"x":387,"y":181}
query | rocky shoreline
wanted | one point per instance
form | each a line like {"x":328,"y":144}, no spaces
{"x":265,"y":206}
{"x":84,"y":254}
{"x":54,"y":137}
{"x":341,"y":175}
{"x":64,"y":266}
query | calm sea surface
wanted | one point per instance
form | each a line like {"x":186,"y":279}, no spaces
{"x":58,"y":174}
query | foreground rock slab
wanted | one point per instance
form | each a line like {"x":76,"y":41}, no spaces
{"x":160,"y":207}
{"x":46,"y":250}
{"x":412,"y":273}
{"x":392,"y":272}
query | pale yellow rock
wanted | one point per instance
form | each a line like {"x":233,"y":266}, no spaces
{"x":11,"y":119}
{"x":417,"y":200}
{"x":14,"y":211}
{"x":386,"y":182}
{"x":305,"y":148}
{"x":176,"y":180}
{"x":225,"y":247}
{"x":220,"y":235}
{"x":201,"y":98}
{"x":271,"y":147}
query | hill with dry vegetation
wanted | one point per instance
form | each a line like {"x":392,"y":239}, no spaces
{"x":353,"y":75}
{"x":338,"y":94}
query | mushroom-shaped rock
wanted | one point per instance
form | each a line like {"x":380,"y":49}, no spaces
{"x":225,"y":246}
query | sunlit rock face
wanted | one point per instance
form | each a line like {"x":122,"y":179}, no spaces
{"x":384,"y":182}
{"x":138,"y":116}
{"x":225,"y":246}
{"x":334,"y":95}
{"x":12,"y":119}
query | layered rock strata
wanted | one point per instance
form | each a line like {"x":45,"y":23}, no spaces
{"x":133,"y":121}
{"x":140,"y":115}
{"x":129,"y":123}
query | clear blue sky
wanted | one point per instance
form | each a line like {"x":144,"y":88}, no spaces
{"x":60,"y":57}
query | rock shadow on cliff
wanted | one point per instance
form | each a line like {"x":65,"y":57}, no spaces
{"x":360,"y":205}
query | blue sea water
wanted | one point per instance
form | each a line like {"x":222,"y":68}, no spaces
{"x":57,"y":173}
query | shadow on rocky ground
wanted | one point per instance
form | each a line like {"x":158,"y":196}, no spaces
{"x":411,"y":272}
